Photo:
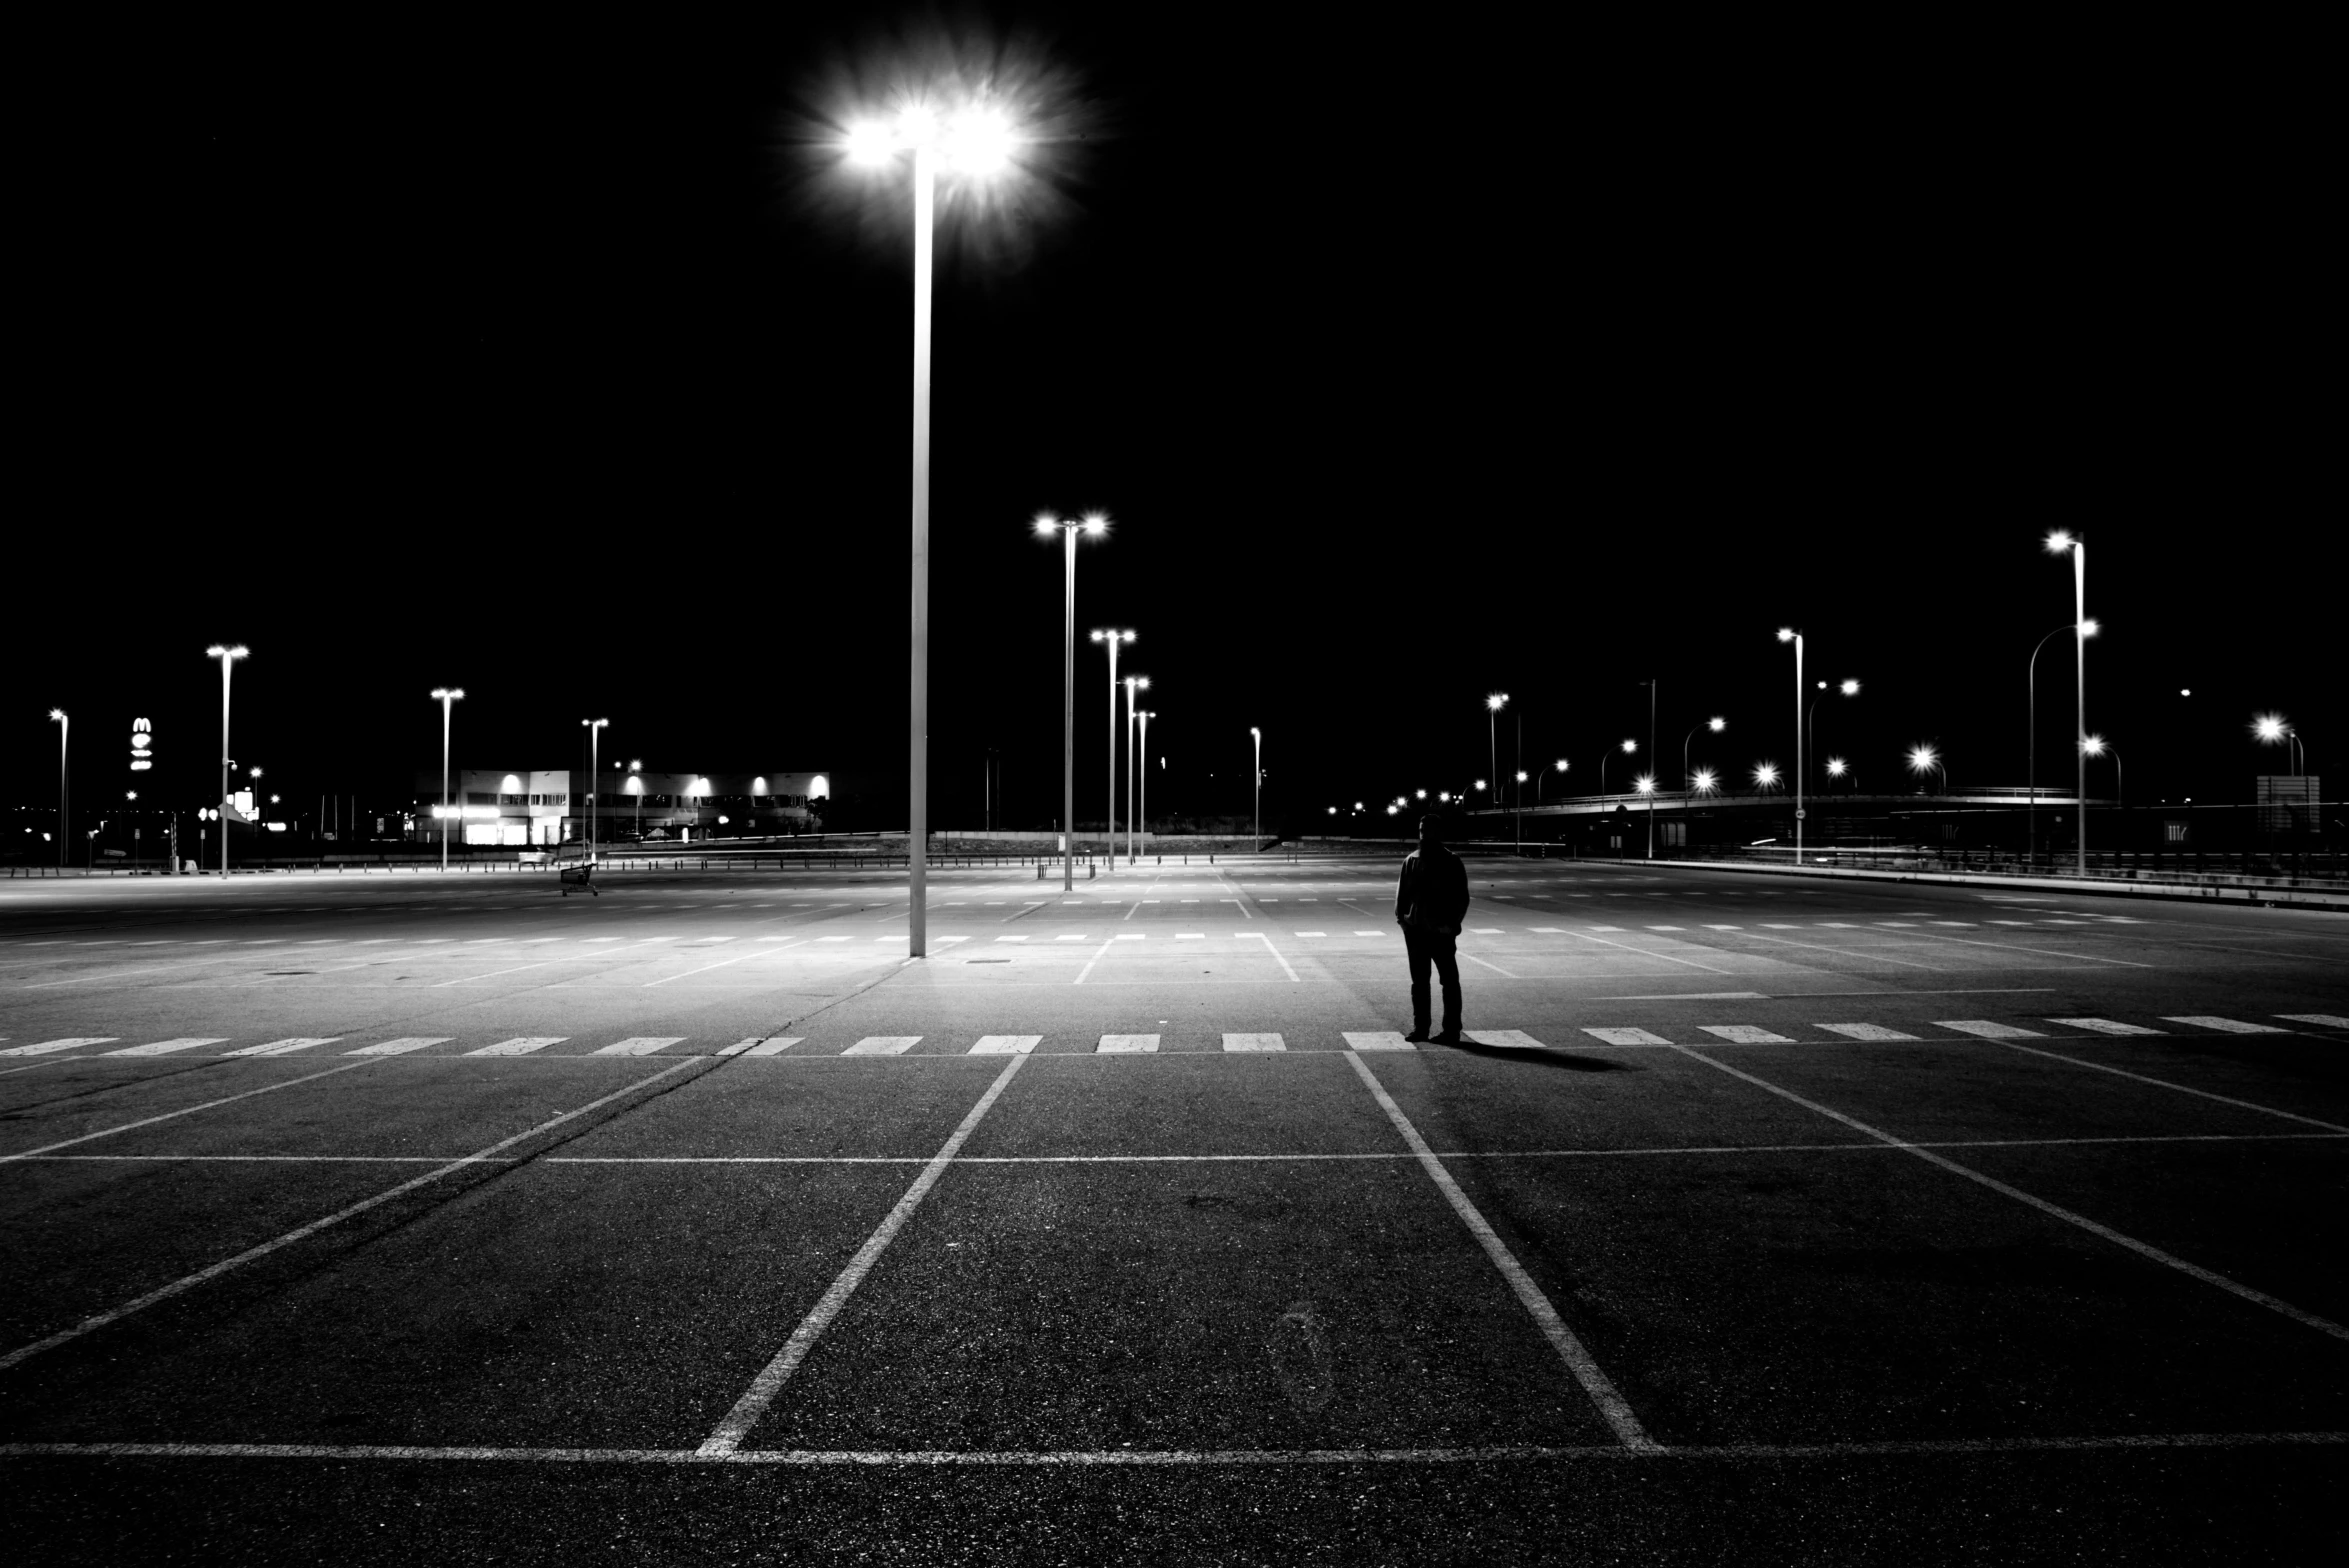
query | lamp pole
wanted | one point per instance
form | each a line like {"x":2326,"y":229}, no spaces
{"x":447,"y":696}
{"x":1133,"y":683}
{"x":1716,"y":726}
{"x":1257,"y":735}
{"x":2098,"y":746}
{"x":1492,"y":719}
{"x":1789,"y":634}
{"x":1110,"y":638}
{"x":227,"y":657}
{"x":1144,"y":815}
{"x":1651,"y":685}
{"x":2031,"y":765}
{"x":594,"y":728}
{"x":2062,"y":542}
{"x":65,"y":731}
{"x":1094,"y":524}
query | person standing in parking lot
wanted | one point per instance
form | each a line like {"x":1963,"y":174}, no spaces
{"x":1431,"y":899}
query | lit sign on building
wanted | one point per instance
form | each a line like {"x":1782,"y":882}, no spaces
{"x":142,"y":745}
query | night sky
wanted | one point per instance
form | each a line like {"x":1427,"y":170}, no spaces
{"x":1414,"y":358}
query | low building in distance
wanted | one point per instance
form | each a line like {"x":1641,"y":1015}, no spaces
{"x":524,"y":809}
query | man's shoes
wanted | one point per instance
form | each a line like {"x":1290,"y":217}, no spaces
{"x":1417,"y":1036}
{"x":1448,"y":1037}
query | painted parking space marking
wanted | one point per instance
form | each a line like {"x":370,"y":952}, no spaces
{"x":772,"y":1047}
{"x":2224,"y":1025}
{"x":1745,"y":1034}
{"x":2321,"y":1020}
{"x":1611,"y":1405}
{"x":401,"y":1046}
{"x":1254,"y":1042}
{"x":69,"y":1043}
{"x":1513,"y":1039}
{"x":1120,"y":1044}
{"x":521,"y":1045}
{"x":1987,"y":1029}
{"x":1005,"y":1044}
{"x":1865,"y":1032}
{"x":1626,"y":1036}
{"x":883,"y":1045}
{"x":167,"y":1047}
{"x":1377,"y":1040}
{"x":285,"y":1047}
{"x":2103,"y":1026}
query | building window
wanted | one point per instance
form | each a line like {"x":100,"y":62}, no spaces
{"x":2176,"y":833}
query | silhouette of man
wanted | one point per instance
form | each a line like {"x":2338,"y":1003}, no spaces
{"x":1431,"y":899}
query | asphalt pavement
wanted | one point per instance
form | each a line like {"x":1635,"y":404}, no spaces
{"x":422,"y":1217}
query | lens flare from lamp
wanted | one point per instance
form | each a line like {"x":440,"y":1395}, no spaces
{"x":1851,"y":688}
{"x":2269,"y":727}
{"x":1766,"y":774}
{"x":1705,"y":781}
{"x":1645,"y":784}
{"x":2058,"y":542}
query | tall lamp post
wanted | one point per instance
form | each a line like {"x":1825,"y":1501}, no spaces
{"x":1094,"y":525}
{"x":1716,"y":726}
{"x":595,"y":729}
{"x":1111,"y":638}
{"x":974,"y":140}
{"x":1629,"y":747}
{"x":1143,"y":815}
{"x":2273,"y":729}
{"x":1133,"y":683}
{"x":65,"y":730}
{"x":1257,"y":736}
{"x":1492,"y":717}
{"x":2031,"y":763}
{"x":635,"y":786}
{"x":2098,"y":746}
{"x":2060,"y":543}
{"x":446,"y":695}
{"x":1544,"y":778}
{"x":1789,"y":634}
{"x":227,"y":657}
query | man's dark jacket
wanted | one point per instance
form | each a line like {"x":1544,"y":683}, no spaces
{"x":1432,"y":894}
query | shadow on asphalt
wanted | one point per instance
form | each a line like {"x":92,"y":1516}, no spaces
{"x":1539,"y":1058}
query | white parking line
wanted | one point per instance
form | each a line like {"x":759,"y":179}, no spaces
{"x":1987,"y":1029}
{"x":737,"y":1422}
{"x":1254,"y":1042}
{"x":1121,"y":1044}
{"x":166,"y":1047}
{"x":2142,"y":1249}
{"x":187,"y":1282}
{"x":1866,"y":1032}
{"x":2103,"y":1026}
{"x":401,"y":1046}
{"x":883,"y":1045}
{"x":70,"y":1042}
{"x":2225,"y":1025}
{"x":1006,"y":1044}
{"x":1378,"y":1040}
{"x":1626,"y":1036}
{"x":1745,"y":1034}
{"x":521,"y":1045}
{"x":1611,"y":1405}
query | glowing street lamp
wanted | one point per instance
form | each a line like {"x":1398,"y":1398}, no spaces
{"x":1112,"y":639}
{"x":1923,"y":759}
{"x":1492,"y":715}
{"x":1142,"y":812}
{"x":1560,"y":766}
{"x":2031,"y":771}
{"x":1789,"y":634}
{"x":1093,"y":525}
{"x":445,"y":695}
{"x":595,"y":730}
{"x":2273,"y":729}
{"x":2098,"y":746}
{"x":635,"y":786}
{"x":1765,"y":775}
{"x":2061,"y":542}
{"x":59,"y":717}
{"x":1628,"y":748}
{"x":227,"y":657}
{"x":1257,"y":736}
{"x":1715,"y":725}
{"x":1811,"y":714}
{"x":1838,"y":768}
{"x":1704,"y":781}
{"x":1133,"y":684}
{"x":973,"y":140}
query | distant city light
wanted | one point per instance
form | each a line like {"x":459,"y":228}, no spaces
{"x":1766,"y":774}
{"x":1837,"y":767}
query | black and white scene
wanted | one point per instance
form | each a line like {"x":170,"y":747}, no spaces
{"x":1075,"y":785}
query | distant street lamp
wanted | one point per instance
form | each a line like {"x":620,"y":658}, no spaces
{"x":446,"y":696}
{"x":1143,"y":813}
{"x":1492,"y":718}
{"x":1628,"y":748}
{"x":1093,"y":525}
{"x":974,"y":139}
{"x":65,"y":729}
{"x":1765,"y":775}
{"x":1716,"y":726}
{"x":2031,"y":768}
{"x":2059,"y":543}
{"x":1646,"y":785}
{"x":1923,"y":759}
{"x":1838,"y":768}
{"x":2098,"y":746}
{"x":1560,"y":766}
{"x":1789,"y":634}
{"x":1257,"y":736}
{"x":1704,"y":781}
{"x":227,"y":657}
{"x":1133,"y":684}
{"x":2273,"y":729}
{"x":1810,"y":715}
{"x":595,"y":729}
{"x":635,"y":786}
{"x":1112,"y":640}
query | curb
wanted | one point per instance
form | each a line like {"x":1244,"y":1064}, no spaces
{"x":2205,"y":893}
